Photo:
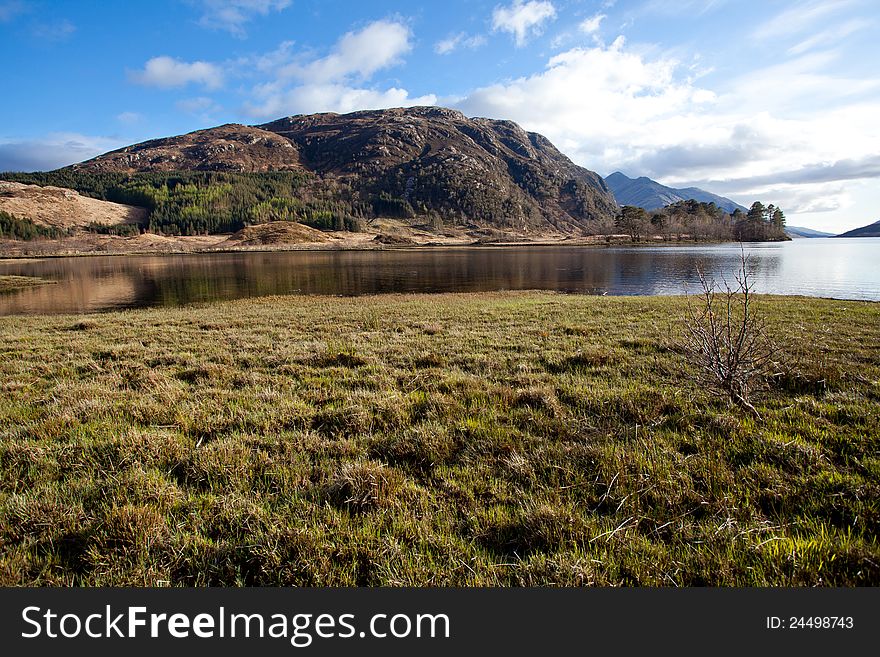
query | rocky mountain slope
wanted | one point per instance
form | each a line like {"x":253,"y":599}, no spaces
{"x":871,"y":230}
{"x":63,"y":208}
{"x":224,"y":148}
{"x":405,"y":162}
{"x":651,"y":195}
{"x":797,"y":231}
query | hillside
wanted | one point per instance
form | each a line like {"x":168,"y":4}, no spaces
{"x":421,"y":163}
{"x":649,"y":194}
{"x":229,"y":147}
{"x":63,"y":208}
{"x":797,"y":231}
{"x":871,"y":230}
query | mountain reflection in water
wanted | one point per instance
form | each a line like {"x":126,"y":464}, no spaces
{"x":841,"y":268}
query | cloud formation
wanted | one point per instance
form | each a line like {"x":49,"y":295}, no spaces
{"x":232,"y":15}
{"x":129,"y":118}
{"x":523,"y":19}
{"x":798,"y":18}
{"x":614,"y":107}
{"x":166,"y":72}
{"x":338,"y":81}
{"x":199,"y":106}
{"x":591,"y":25}
{"x":53,"y":151}
{"x":460,"y":41}
{"x":379,"y":45}
{"x":57,"y":31}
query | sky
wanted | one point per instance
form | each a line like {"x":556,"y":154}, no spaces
{"x":771,"y":100}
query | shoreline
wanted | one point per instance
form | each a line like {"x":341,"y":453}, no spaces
{"x":344,"y":244}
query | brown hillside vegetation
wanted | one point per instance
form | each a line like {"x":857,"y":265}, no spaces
{"x":230,"y":147}
{"x":278,"y":232}
{"x":63,"y":208}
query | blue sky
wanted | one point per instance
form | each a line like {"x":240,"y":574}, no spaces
{"x":777,"y":100}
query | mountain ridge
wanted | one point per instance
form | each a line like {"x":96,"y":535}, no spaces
{"x":871,"y":230}
{"x":799,"y":231}
{"x":649,"y":194}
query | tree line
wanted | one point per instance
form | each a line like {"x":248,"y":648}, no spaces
{"x":207,"y":202}
{"x":695,"y":220}
{"x":13,"y":228}
{"x":210,"y":202}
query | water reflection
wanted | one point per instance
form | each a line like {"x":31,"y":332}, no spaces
{"x":836,"y":268}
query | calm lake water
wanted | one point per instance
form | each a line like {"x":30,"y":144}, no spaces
{"x":839,"y":268}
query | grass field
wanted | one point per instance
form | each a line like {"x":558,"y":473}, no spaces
{"x":487,"y":439}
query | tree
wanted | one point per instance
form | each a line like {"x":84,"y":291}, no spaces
{"x":632,"y":220}
{"x":778,"y":219}
{"x":757,"y":212}
{"x":658,"y":222}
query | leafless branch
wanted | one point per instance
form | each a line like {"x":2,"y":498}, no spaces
{"x":726,"y":339}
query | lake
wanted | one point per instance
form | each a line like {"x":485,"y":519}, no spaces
{"x":839,"y":268}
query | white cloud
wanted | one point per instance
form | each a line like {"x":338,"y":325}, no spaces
{"x":593,"y":102}
{"x":233,"y":15}
{"x":307,"y":99}
{"x":53,"y":151}
{"x":337,"y":81}
{"x":129,"y":118}
{"x":458,"y":42}
{"x":522,"y":19}
{"x":166,"y":73}
{"x":831,"y":36}
{"x":591,"y":25}
{"x":798,"y":18}
{"x":379,"y":45}
{"x":612,"y":107}
{"x":678,"y":7}
{"x":199,"y":106}
{"x":57,"y":31}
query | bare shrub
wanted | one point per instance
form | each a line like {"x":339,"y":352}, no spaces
{"x":726,"y":339}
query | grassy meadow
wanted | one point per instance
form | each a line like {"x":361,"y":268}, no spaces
{"x":469,"y":439}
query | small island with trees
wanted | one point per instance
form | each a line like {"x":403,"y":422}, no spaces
{"x":698,"y":221}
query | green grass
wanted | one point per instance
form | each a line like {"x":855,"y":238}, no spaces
{"x":8,"y":283}
{"x":489,"y":439}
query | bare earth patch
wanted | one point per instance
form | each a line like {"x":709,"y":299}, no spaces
{"x":63,"y":208}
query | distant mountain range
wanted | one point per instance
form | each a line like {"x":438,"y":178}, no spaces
{"x":651,"y":195}
{"x":871,"y":230}
{"x":797,"y":231}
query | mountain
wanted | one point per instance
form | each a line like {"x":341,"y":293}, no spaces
{"x":797,"y":231}
{"x":651,"y":195}
{"x":871,"y":230}
{"x":409,"y":161}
